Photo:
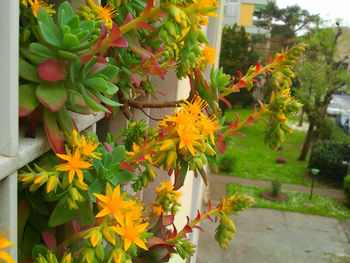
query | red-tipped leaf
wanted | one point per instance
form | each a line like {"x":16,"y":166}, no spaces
{"x":52,"y":70}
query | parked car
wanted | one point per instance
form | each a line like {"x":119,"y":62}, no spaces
{"x":334,"y":108}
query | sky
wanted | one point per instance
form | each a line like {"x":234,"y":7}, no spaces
{"x":328,"y":10}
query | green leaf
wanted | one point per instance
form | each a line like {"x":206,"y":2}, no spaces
{"x":28,"y":71}
{"x":33,"y":58}
{"x":70,"y":41}
{"x":112,"y":89}
{"x":75,"y":66}
{"x":180,"y":178}
{"x":105,"y":100}
{"x":110,"y":71}
{"x":27,"y":99}
{"x":86,"y":217}
{"x":47,"y":28}
{"x":96,"y":83}
{"x":62,"y":213}
{"x":65,"y":13}
{"x":65,"y":120}
{"x":88,"y":66}
{"x":36,"y":201}
{"x":74,"y":24}
{"x":95,"y":187}
{"x":38,"y":249}
{"x":93,"y":105}
{"x":41,"y":50}
{"x":67,"y":55}
{"x":30,"y":239}
{"x":122,"y":177}
{"x":52,"y":95}
{"x":118,"y":154}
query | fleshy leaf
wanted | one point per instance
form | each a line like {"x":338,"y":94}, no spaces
{"x":49,"y":240}
{"x":180,"y":176}
{"x":52,"y":95}
{"x":27,"y":99}
{"x":52,"y":70}
{"x":53,"y":132}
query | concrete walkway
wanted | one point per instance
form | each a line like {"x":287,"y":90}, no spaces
{"x":218,"y":183}
{"x":273,"y":236}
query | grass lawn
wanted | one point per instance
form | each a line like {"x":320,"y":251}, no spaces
{"x":251,"y":158}
{"x":298,"y":202}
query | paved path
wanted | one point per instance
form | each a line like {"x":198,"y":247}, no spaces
{"x":273,"y":236}
{"x":218,"y":183}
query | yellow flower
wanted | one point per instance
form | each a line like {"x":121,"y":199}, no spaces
{"x":188,"y":135}
{"x":130,"y":231}
{"x":210,"y":126}
{"x":67,"y":258}
{"x":208,"y":53}
{"x":281,"y":117}
{"x":105,"y":13}
{"x":5,"y":245}
{"x":114,"y":203}
{"x":157,"y":210}
{"x":36,"y":4}
{"x":167,"y":186}
{"x":51,"y":184}
{"x":74,"y":165}
{"x":88,"y":147}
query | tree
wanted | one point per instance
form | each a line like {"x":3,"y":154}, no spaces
{"x":284,"y":23}
{"x":319,"y":76}
{"x":237,"y":53}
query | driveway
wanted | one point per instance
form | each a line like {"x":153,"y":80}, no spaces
{"x":274,"y":236}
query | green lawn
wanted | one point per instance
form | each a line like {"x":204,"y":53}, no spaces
{"x":298,"y":202}
{"x":251,"y":158}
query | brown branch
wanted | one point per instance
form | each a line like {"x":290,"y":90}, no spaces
{"x":149,"y":116}
{"x":149,"y":104}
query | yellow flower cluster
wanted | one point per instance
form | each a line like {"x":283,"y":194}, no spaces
{"x":208,"y":55}
{"x":5,"y":245}
{"x":95,"y":11}
{"x":189,"y":129}
{"x":36,"y":4}
{"x":126,"y":217}
{"x":167,"y":200}
{"x":79,"y":158}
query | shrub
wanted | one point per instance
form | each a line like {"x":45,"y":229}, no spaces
{"x":328,"y":157}
{"x":331,"y":131}
{"x":346,"y":187}
{"x":276,"y":187}
{"x":226,"y":162}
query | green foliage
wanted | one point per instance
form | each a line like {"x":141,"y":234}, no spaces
{"x":276,"y":187}
{"x":331,"y":131}
{"x":185,"y":248}
{"x":328,"y":157}
{"x":297,"y":202}
{"x":346,"y":187}
{"x":251,"y":158}
{"x":237,"y":53}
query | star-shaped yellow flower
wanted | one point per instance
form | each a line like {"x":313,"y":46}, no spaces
{"x":114,"y":203}
{"x":130,"y":231}
{"x":74,"y":165}
{"x":188,"y":135}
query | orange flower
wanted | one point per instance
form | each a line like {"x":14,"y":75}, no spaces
{"x":208,"y":53}
{"x":36,"y":4}
{"x":114,"y":203}
{"x":74,"y":165}
{"x":188,"y":135}
{"x":5,"y":245}
{"x":130,"y":231}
